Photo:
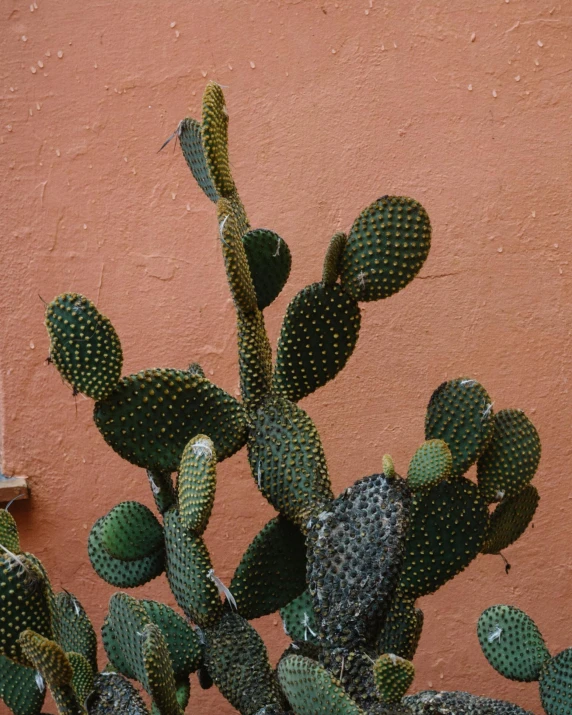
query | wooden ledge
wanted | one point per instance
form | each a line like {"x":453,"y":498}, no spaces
{"x":12,"y":487}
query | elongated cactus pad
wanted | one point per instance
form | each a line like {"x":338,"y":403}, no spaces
{"x":149,"y":417}
{"x":115,"y":695}
{"x":127,"y":620}
{"x":197,"y":483}
{"x":299,"y":619}
{"x":82,"y":678}
{"x":512,"y":643}
{"x":118,"y":661}
{"x":9,"y":538}
{"x":83,"y":345}
{"x":460,"y":412}
{"x":19,"y":689}
{"x":130,"y":532}
{"x":511,"y":458}
{"x":318,"y":336}
{"x":393,"y":676}
{"x":401,"y":629}
{"x":333,"y":258}
{"x":190,"y":136}
{"x":74,"y":629}
{"x":254,"y":359}
{"x":159,"y":672}
{"x":272,"y":571}
{"x":215,"y":140}
{"x":269,"y":261}
{"x":555,"y":684}
{"x":386,"y":248}
{"x":431,"y":702}
{"x":510,"y":519}
{"x":430,"y":464}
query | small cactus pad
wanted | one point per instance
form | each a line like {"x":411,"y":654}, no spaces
{"x":130,"y":531}
{"x":82,"y":679}
{"x":115,"y":695}
{"x":512,"y":643}
{"x":299,"y":619}
{"x":159,"y":672}
{"x":460,"y":412}
{"x":355,"y":550}
{"x":269,"y":260}
{"x":447,"y":527}
{"x":430,"y":464}
{"x":510,"y":519}
{"x":386,"y":248}
{"x":83,"y":345}
{"x":116,"y":572}
{"x":197,"y":483}
{"x":556,"y":684}
{"x":387,"y":465}
{"x":333,"y":258}
{"x":74,"y":629}
{"x":511,"y":458}
{"x":189,"y":571}
{"x":393,"y":676}
{"x":287,"y":459}
{"x":237,"y":661}
{"x":19,"y":689}
{"x":9,"y":538}
{"x":215,"y":140}
{"x":311,"y":690}
{"x":149,"y":417}
{"x":318,"y":336}
{"x":431,"y":702}
{"x":401,"y":629}
{"x":190,"y":136}
{"x":272,"y":571}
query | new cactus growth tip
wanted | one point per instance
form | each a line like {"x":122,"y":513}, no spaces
{"x":343,"y":571}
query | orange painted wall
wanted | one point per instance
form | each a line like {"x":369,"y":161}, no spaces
{"x":463,"y":105}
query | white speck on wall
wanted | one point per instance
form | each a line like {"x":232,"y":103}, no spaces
{"x":252,"y":64}
{"x":60,"y":54}
{"x":470,"y":87}
{"x":540,"y":43}
{"x":473,"y":36}
{"x":495,"y":95}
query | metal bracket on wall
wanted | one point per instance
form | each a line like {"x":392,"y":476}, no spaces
{"x":13,"y":488}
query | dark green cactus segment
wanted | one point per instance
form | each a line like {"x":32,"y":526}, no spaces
{"x":114,"y":695}
{"x":237,"y":661}
{"x":182,"y":641}
{"x":159,"y":671}
{"x":127,"y":621}
{"x":287,"y":459}
{"x":19,"y":689}
{"x":402,"y":628}
{"x":162,"y":489}
{"x":82,"y":679}
{"x":460,"y":412}
{"x":116,"y":572}
{"x":190,"y":574}
{"x":556,"y":684}
{"x":355,"y":673}
{"x":215,"y":140}
{"x":312,"y":690}
{"x":511,"y":458}
{"x":510,"y":519}
{"x":386,"y":248}
{"x":269,"y":260}
{"x":333,"y":259}
{"x":299,"y":619}
{"x":254,"y":359}
{"x":430,"y":464}
{"x":431,"y":702}
{"x":393,"y":677}
{"x":272,"y":571}
{"x":318,"y":336}
{"x":117,"y":658}
{"x":191,"y":139}
{"x":130,"y":532}
{"x":197,"y":483}
{"x":512,"y":643}
{"x":447,"y":528}
{"x":149,"y":417}
{"x":74,"y":629}
{"x":9,"y":538}
{"x":84,"y":345}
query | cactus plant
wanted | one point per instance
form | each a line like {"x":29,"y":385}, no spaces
{"x":344,"y":572}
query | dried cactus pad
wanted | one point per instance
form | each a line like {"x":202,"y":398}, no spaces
{"x":430,"y":464}
{"x":386,"y":248}
{"x":269,"y":260}
{"x":401,"y":629}
{"x":512,"y":643}
{"x":510,"y":519}
{"x":556,"y":684}
{"x":460,"y":413}
{"x":318,"y":336}
{"x":511,"y":458}
{"x":432,"y":702}
{"x":114,"y":695}
{"x":190,"y":136}
{"x":149,"y":417}
{"x":18,"y":688}
{"x":393,"y":676}
{"x":130,"y":531}
{"x":84,"y":345}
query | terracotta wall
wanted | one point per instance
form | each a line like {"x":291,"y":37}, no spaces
{"x":463,"y":105}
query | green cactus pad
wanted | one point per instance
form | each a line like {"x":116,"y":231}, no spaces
{"x":215,"y":140}
{"x":149,"y":417}
{"x":393,"y":677}
{"x":402,"y":628}
{"x":431,"y":702}
{"x":447,"y":529}
{"x":84,"y":345}
{"x":197,"y":483}
{"x":512,"y":643}
{"x":114,"y":695}
{"x":510,"y":520}
{"x":287,"y":459}
{"x":318,"y":336}
{"x":254,"y":359}
{"x":159,"y":671}
{"x":333,"y":258}
{"x":237,"y":661}
{"x":74,"y":629}
{"x":82,"y":680}
{"x":311,"y":690}
{"x":190,"y":137}
{"x":9,"y":537}
{"x":299,"y":619}
{"x":511,"y":458}
{"x":430,"y":464}
{"x":18,"y":688}
{"x":556,"y":684}
{"x":460,"y":413}
{"x":272,"y":571}
{"x":127,"y":620}
{"x":189,"y":571}
{"x":355,"y":548}
{"x":123,"y":574}
{"x":117,"y":658}
{"x":386,"y":248}
{"x":269,"y":260}
{"x":130,"y":532}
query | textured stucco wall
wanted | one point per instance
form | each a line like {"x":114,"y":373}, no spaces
{"x":464,"y":105}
